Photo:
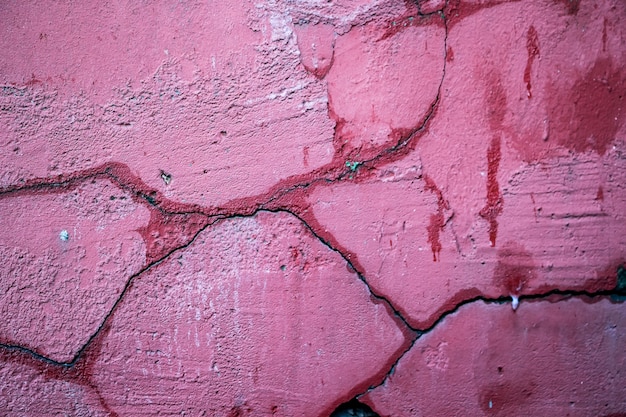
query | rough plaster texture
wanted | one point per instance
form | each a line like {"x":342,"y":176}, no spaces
{"x":278,"y":207}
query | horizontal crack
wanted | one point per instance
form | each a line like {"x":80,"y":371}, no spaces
{"x":616,"y":294}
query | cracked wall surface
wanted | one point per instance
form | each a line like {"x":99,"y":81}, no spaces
{"x":405,"y":207}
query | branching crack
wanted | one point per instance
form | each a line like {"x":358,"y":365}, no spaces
{"x":555,"y":295}
{"x":275,"y":201}
{"x":119,"y":175}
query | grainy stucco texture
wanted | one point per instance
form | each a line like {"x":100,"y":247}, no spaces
{"x":276,"y":207}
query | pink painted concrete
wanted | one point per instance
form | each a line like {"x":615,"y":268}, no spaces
{"x":255,"y":208}
{"x":67,"y":256}
{"x":562,"y":358}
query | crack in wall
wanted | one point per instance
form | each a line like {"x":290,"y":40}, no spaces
{"x":284,"y":197}
{"x":617,"y":295}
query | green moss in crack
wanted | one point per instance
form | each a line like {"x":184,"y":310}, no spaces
{"x":621,"y":280}
{"x":353,"y":165}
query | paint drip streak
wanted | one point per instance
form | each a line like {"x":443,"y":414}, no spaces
{"x":437,"y":221}
{"x":532,"y":46}
{"x":495,"y":203}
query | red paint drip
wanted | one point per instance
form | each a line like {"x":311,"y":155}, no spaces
{"x":600,"y":194}
{"x":604,"y":36}
{"x":515,"y":269}
{"x":449,"y":54}
{"x":532,"y":46}
{"x":494,"y":205}
{"x":571,"y":5}
{"x":437,"y":221}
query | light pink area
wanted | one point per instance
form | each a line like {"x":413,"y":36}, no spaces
{"x":316,"y":43}
{"x":382,"y":82}
{"x":256,"y":316}
{"x":208,"y":117}
{"x":489,"y":360}
{"x":96,"y":48}
{"x":66,"y":257}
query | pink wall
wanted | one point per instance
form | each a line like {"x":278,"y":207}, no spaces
{"x":274,"y":207}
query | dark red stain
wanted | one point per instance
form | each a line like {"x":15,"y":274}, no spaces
{"x":81,"y":372}
{"x":165,"y":232}
{"x":515,"y":269}
{"x":606,"y":278}
{"x":604,"y":35}
{"x":497,"y":397}
{"x":600,"y":194}
{"x":457,"y":10}
{"x":437,"y":221}
{"x":532,"y":46}
{"x":571,"y":6}
{"x":496,"y":108}
{"x":588,"y":116}
{"x":495,"y":202}
{"x":449,"y":54}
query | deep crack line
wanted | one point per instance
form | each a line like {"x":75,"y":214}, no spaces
{"x":360,"y":275}
{"x":153,"y":199}
{"x":615,"y":295}
{"x":108,"y":171}
{"x":127,"y":286}
{"x":137,"y":275}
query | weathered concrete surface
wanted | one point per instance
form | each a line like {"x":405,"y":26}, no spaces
{"x":256,"y":315}
{"x":497,"y":185}
{"x":66,"y":257}
{"x":344,"y":172}
{"x":561,"y":358}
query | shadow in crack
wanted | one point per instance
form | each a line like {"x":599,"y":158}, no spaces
{"x":353,"y":408}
